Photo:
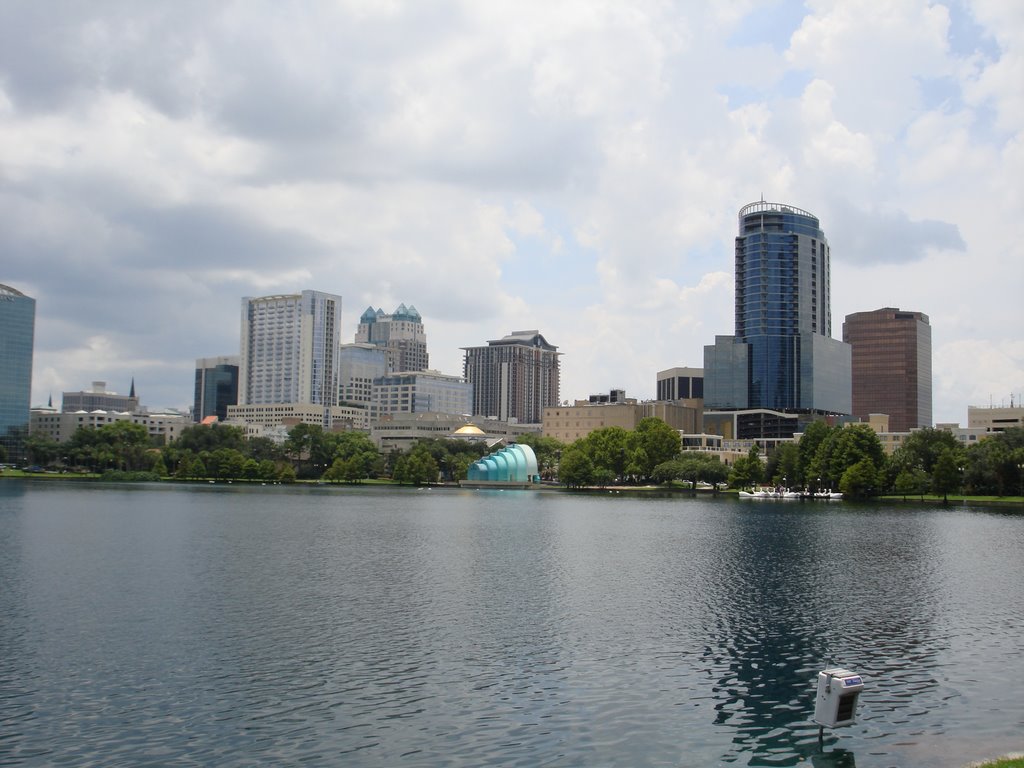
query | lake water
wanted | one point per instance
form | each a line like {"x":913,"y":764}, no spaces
{"x":220,"y":625}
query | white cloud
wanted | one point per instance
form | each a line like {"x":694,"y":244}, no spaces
{"x":574,"y":166}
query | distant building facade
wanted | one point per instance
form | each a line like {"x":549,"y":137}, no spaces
{"x":514,"y":378}
{"x":995,"y":418}
{"x":216,"y":386}
{"x":680,"y":384}
{"x":289,"y":347}
{"x":402,"y":430}
{"x":420,"y":392}
{"x":358,"y":365}
{"x":891,"y":366}
{"x":99,"y":399}
{"x":400,"y":335}
{"x":782,"y":356}
{"x":568,"y":423}
{"x":270,"y":416}
{"x":60,"y":426}
{"x":17,"y":340}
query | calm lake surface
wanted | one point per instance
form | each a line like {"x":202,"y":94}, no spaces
{"x":220,"y":625}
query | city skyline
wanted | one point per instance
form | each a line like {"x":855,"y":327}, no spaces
{"x":496,"y":167}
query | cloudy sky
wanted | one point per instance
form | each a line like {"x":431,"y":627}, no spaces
{"x":574,"y":166}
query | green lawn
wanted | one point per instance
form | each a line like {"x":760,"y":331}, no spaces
{"x":1003,"y":762}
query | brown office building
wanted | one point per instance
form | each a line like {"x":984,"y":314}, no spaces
{"x":514,"y":378}
{"x":892,"y":366}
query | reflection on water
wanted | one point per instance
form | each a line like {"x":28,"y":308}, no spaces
{"x":154,"y":625}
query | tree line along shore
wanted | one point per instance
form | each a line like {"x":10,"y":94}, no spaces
{"x":850,"y":459}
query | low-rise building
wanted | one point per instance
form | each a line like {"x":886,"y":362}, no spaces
{"x":264,"y":415}
{"x":402,"y":430}
{"x":60,"y":426}
{"x":569,"y":423}
{"x":99,"y":399}
{"x":995,"y":418}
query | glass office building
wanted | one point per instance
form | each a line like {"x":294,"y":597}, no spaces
{"x":17,"y":337}
{"x":782,"y":356}
{"x":216,"y":386}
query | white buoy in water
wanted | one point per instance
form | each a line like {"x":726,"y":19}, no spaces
{"x":835,"y":705}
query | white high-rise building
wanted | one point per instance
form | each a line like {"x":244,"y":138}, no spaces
{"x":289,"y":350}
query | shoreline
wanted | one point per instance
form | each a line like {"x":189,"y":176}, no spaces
{"x":1010,"y":502}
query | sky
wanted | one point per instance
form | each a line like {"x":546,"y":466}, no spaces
{"x":570,"y":166}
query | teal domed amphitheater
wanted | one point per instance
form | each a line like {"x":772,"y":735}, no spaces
{"x":513,"y":464}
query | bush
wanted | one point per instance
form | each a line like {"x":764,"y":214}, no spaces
{"x":120,"y":476}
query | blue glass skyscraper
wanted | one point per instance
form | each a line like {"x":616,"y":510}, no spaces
{"x":17,"y":332}
{"x":782,"y":356}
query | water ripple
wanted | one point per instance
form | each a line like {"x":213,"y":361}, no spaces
{"x":149,"y":627}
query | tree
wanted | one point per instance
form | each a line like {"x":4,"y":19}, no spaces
{"x":548,"y":451}
{"x":159,"y":467}
{"x":263,"y":448}
{"x":923,"y":447}
{"x":452,"y":457}
{"x":784,"y":466}
{"x":993,"y":465}
{"x":810,"y":470}
{"x":576,"y":468}
{"x":698,"y":467}
{"x":859,"y":480}
{"x":846,"y":446}
{"x":946,"y":474}
{"x":416,"y":467}
{"x":336,"y":472}
{"x":194,"y":468}
{"x":204,"y":437}
{"x":606,"y":447}
{"x":715,"y":472}
{"x":668,"y":471}
{"x":41,"y":449}
{"x":310,"y":448}
{"x":654,"y":442}
{"x":911,"y":482}
{"x":747,"y":470}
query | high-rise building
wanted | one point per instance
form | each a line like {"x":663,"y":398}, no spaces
{"x":892,"y":366}
{"x":17,"y":338}
{"x":289,"y":350}
{"x":515,"y":377}
{"x":399,"y":334}
{"x":782,"y":356}
{"x":216,"y":386}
